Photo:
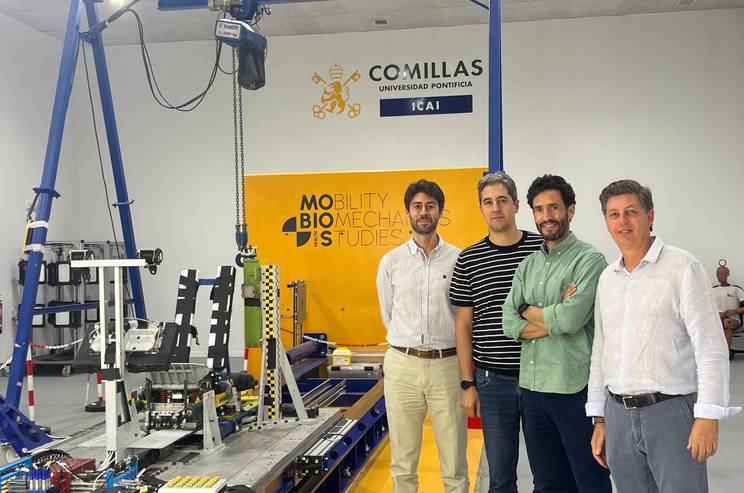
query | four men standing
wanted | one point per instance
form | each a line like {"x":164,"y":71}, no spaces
{"x":524,"y":330}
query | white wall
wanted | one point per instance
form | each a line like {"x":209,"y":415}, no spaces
{"x":652,"y":97}
{"x":29,"y":60}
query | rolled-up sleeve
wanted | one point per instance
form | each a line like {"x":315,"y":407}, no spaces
{"x":700,"y":314}
{"x":572,"y":315}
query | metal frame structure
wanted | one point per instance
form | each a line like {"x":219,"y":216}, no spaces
{"x":122,"y":426}
{"x":46,"y":193}
{"x":274,"y":357}
{"x":495,"y":125}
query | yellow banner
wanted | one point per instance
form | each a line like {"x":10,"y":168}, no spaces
{"x":332,"y":229}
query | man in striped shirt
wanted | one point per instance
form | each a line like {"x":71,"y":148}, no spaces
{"x":480,"y":283}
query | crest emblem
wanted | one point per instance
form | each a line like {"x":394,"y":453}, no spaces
{"x":335,"y":99}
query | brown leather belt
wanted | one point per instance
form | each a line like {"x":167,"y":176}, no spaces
{"x":427,"y":354}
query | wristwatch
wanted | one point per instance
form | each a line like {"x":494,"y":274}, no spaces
{"x":466,"y":384}
{"x":522,"y":308}
{"x":597,"y":419}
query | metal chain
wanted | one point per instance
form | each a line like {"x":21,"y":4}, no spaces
{"x":235,"y":137}
{"x":242,"y":155}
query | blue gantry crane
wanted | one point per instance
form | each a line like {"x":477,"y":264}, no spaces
{"x":16,"y":429}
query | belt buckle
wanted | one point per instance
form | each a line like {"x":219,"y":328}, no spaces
{"x":625,"y":403}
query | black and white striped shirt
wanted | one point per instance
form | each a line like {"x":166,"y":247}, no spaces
{"x":482,"y":279}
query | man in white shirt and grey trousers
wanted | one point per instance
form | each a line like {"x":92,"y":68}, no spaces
{"x":659,"y":377}
{"x":421,"y":370}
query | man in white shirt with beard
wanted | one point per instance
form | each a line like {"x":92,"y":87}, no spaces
{"x":421,"y":367}
{"x":659,"y":372}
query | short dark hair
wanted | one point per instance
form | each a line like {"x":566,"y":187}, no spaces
{"x":626,"y":187}
{"x":552,"y":182}
{"x":423,"y":186}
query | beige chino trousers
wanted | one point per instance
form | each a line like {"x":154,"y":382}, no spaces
{"x":412,"y":386}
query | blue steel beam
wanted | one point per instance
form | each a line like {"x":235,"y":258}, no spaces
{"x":44,"y":209}
{"x":495,"y":130}
{"x":77,"y":307}
{"x":122,"y":196}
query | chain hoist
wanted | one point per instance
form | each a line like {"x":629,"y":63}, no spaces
{"x":241,"y":230}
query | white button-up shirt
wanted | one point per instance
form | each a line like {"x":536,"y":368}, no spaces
{"x":657,"y":329}
{"x":414,"y":296}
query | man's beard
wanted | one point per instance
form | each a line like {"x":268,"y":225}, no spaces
{"x":560,"y":232}
{"x":425,"y":230}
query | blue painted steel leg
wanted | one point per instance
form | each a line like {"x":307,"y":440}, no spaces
{"x":48,"y":179}
{"x":495,"y":131}
{"x":122,"y":196}
{"x":15,"y":428}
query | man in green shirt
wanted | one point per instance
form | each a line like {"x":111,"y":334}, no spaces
{"x":550,"y":308}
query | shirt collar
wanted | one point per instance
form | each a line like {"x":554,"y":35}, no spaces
{"x":414,"y":249}
{"x":564,"y":245}
{"x":652,"y":255}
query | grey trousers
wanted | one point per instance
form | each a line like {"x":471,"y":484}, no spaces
{"x":647,"y":448}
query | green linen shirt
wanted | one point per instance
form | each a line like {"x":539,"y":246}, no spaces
{"x":559,"y":362}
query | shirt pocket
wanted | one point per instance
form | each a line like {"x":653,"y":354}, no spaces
{"x":439,"y":281}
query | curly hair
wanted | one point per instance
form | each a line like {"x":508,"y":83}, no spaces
{"x":552,"y":182}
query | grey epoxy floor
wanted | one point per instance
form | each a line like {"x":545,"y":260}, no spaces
{"x":60,"y":401}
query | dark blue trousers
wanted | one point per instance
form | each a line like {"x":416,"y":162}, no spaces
{"x":501,"y":414}
{"x":558,"y":436}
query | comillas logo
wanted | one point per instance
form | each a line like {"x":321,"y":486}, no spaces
{"x":349,"y":220}
{"x":336,"y":96}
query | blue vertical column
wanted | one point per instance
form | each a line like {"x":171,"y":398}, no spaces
{"x":46,"y":193}
{"x":495,"y":130}
{"x":122,"y":196}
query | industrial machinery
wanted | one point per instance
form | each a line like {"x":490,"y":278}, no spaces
{"x":174,"y":399}
{"x":190,"y":426}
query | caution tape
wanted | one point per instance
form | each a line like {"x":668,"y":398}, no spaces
{"x":42,"y":346}
{"x":60,"y":346}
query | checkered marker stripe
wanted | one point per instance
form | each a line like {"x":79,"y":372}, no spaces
{"x":270,"y":306}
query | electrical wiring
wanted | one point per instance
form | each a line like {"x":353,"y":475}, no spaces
{"x":100,"y":157}
{"x":152,"y":82}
